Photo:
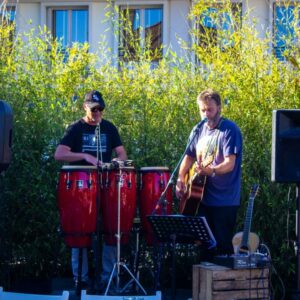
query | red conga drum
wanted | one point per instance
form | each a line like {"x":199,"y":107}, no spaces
{"x":153,"y":181}
{"x":110,"y":197}
{"x":76,"y":192}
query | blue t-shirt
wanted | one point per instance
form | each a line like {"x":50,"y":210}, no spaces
{"x":220,"y":190}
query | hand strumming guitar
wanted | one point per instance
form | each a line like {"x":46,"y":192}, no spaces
{"x":196,"y":168}
{"x":181,"y":188}
{"x":204,"y":170}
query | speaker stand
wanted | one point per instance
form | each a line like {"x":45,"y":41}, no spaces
{"x":295,"y":293}
{"x":297,"y":246}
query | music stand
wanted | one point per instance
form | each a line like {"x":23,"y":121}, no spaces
{"x":184,"y":230}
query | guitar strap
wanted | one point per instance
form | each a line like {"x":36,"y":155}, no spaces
{"x":212,"y":143}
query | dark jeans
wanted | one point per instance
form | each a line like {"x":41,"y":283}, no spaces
{"x":221,"y":220}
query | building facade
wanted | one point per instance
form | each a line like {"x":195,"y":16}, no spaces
{"x":164,"y":21}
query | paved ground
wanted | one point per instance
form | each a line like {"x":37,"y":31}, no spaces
{"x":61,"y":284}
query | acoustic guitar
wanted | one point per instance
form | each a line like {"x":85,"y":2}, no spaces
{"x":247,"y":242}
{"x":195,"y":183}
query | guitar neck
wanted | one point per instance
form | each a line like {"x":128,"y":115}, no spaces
{"x":247,"y":224}
{"x":248,"y":218}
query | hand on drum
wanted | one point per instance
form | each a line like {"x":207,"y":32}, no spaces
{"x":92,"y":160}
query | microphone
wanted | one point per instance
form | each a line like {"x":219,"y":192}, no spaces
{"x":201,"y":123}
{"x":194,"y":133}
{"x":98,"y":140}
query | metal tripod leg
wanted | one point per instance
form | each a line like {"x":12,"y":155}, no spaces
{"x":118,"y":266}
{"x":79,"y":275}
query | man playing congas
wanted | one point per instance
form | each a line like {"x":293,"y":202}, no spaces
{"x":79,"y":147}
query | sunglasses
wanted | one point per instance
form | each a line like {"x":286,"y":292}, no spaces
{"x":95,"y":109}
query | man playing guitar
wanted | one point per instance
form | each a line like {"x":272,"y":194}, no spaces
{"x":221,"y":139}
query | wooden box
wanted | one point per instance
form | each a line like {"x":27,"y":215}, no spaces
{"x":213,"y":282}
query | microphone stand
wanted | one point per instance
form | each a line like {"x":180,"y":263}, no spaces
{"x":97,"y":235}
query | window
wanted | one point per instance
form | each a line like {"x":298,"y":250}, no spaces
{"x":285,"y":25}
{"x":7,"y":19}
{"x":7,"y":14}
{"x":140,"y":28}
{"x":216,"y":25}
{"x":69,"y":24}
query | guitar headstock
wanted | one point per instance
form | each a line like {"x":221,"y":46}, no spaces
{"x":254,"y":191}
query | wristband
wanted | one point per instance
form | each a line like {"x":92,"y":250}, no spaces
{"x":213,"y":174}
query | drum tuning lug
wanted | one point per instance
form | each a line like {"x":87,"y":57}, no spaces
{"x":69,"y":183}
{"x":89,"y":183}
{"x":161,"y":184}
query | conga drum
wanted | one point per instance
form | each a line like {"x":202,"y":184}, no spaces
{"x":111,"y":194}
{"x":76,"y":193}
{"x":153,"y":181}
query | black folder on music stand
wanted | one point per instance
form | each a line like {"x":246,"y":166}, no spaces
{"x":182,"y":229}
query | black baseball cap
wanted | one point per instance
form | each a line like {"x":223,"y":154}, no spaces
{"x":93,"y":99}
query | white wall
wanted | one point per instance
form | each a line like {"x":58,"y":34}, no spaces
{"x":28,"y":16}
{"x":99,"y":30}
{"x":179,"y":25}
{"x":259,"y":14}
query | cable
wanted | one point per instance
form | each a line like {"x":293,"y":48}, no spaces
{"x":288,"y":218}
{"x":273,"y":269}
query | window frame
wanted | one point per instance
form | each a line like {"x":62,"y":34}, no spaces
{"x":142,"y":27}
{"x":50,"y":11}
{"x":237,"y":5}
{"x":142,"y":7}
{"x":273,"y":42}
{"x":9,"y":8}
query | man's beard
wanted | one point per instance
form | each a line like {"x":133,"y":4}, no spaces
{"x":211,"y":122}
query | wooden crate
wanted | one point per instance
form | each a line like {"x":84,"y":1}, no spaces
{"x":213,"y":282}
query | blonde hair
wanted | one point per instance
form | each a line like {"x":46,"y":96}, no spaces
{"x":209,"y":94}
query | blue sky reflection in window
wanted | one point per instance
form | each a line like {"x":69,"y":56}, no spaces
{"x":221,"y":25}
{"x":70,"y":28}
{"x":286,"y":19}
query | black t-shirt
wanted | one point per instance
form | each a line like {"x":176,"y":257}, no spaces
{"x":80,"y":137}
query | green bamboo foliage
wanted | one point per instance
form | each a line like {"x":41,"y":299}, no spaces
{"x":153,"y":103}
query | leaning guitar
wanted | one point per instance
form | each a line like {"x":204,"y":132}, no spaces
{"x":247,"y":242}
{"x":195,"y":183}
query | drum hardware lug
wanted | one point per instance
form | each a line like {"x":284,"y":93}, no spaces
{"x":129,"y":182}
{"x":120,"y":180}
{"x":107,"y":185}
{"x":89,"y":183}
{"x":161,"y":184}
{"x":106,"y":180}
{"x":141,"y":182}
{"x":69,"y":183}
{"x":79,"y":183}
{"x":100,"y":180}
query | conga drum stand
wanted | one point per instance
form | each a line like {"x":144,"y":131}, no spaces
{"x":79,"y":279}
{"x":97,"y":235}
{"x":117,"y":266}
